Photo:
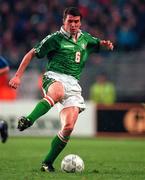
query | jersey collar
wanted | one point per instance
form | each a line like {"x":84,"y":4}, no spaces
{"x":67,"y":34}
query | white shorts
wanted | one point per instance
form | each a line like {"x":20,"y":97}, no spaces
{"x":72,"y":96}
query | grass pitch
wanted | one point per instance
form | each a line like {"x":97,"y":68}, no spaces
{"x":105,"y":159}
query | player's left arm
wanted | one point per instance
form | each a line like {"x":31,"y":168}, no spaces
{"x":95,"y":44}
{"x":107,"y":43}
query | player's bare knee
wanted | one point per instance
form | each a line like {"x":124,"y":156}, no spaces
{"x":56,"y":91}
{"x":59,"y":95}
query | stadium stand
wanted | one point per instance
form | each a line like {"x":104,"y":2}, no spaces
{"x":23,"y":23}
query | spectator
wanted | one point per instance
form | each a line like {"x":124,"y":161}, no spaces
{"x":21,"y":20}
{"x":6,"y":93}
{"x":103,"y":91}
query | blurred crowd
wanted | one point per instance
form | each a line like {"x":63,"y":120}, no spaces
{"x":23,"y":23}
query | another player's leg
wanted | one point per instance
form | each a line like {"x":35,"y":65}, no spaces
{"x":3,"y":131}
{"x":55,"y":92}
{"x":68,"y":118}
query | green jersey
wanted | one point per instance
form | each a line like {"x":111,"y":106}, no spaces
{"x":64,"y":55}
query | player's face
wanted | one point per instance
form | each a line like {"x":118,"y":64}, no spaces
{"x":72,"y":24}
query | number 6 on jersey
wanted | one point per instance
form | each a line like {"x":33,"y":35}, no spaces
{"x":78,"y":57}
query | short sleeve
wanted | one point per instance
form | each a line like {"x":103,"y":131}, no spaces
{"x":47,"y":45}
{"x":93,"y":43}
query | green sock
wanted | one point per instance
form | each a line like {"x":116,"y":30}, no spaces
{"x":40,"y":109}
{"x":56,"y":147}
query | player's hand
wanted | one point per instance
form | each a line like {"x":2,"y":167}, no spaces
{"x":107,"y":44}
{"x":15,"y":82}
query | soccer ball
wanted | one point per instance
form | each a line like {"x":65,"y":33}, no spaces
{"x":72,"y":163}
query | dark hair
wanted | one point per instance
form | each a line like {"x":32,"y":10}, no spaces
{"x":74,"y":11}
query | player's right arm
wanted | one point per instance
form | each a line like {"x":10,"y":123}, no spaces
{"x":40,"y":50}
{"x":16,"y":79}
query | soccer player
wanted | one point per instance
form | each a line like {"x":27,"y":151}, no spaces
{"x":4,"y":68}
{"x":66,"y":52}
{"x":3,"y":131}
